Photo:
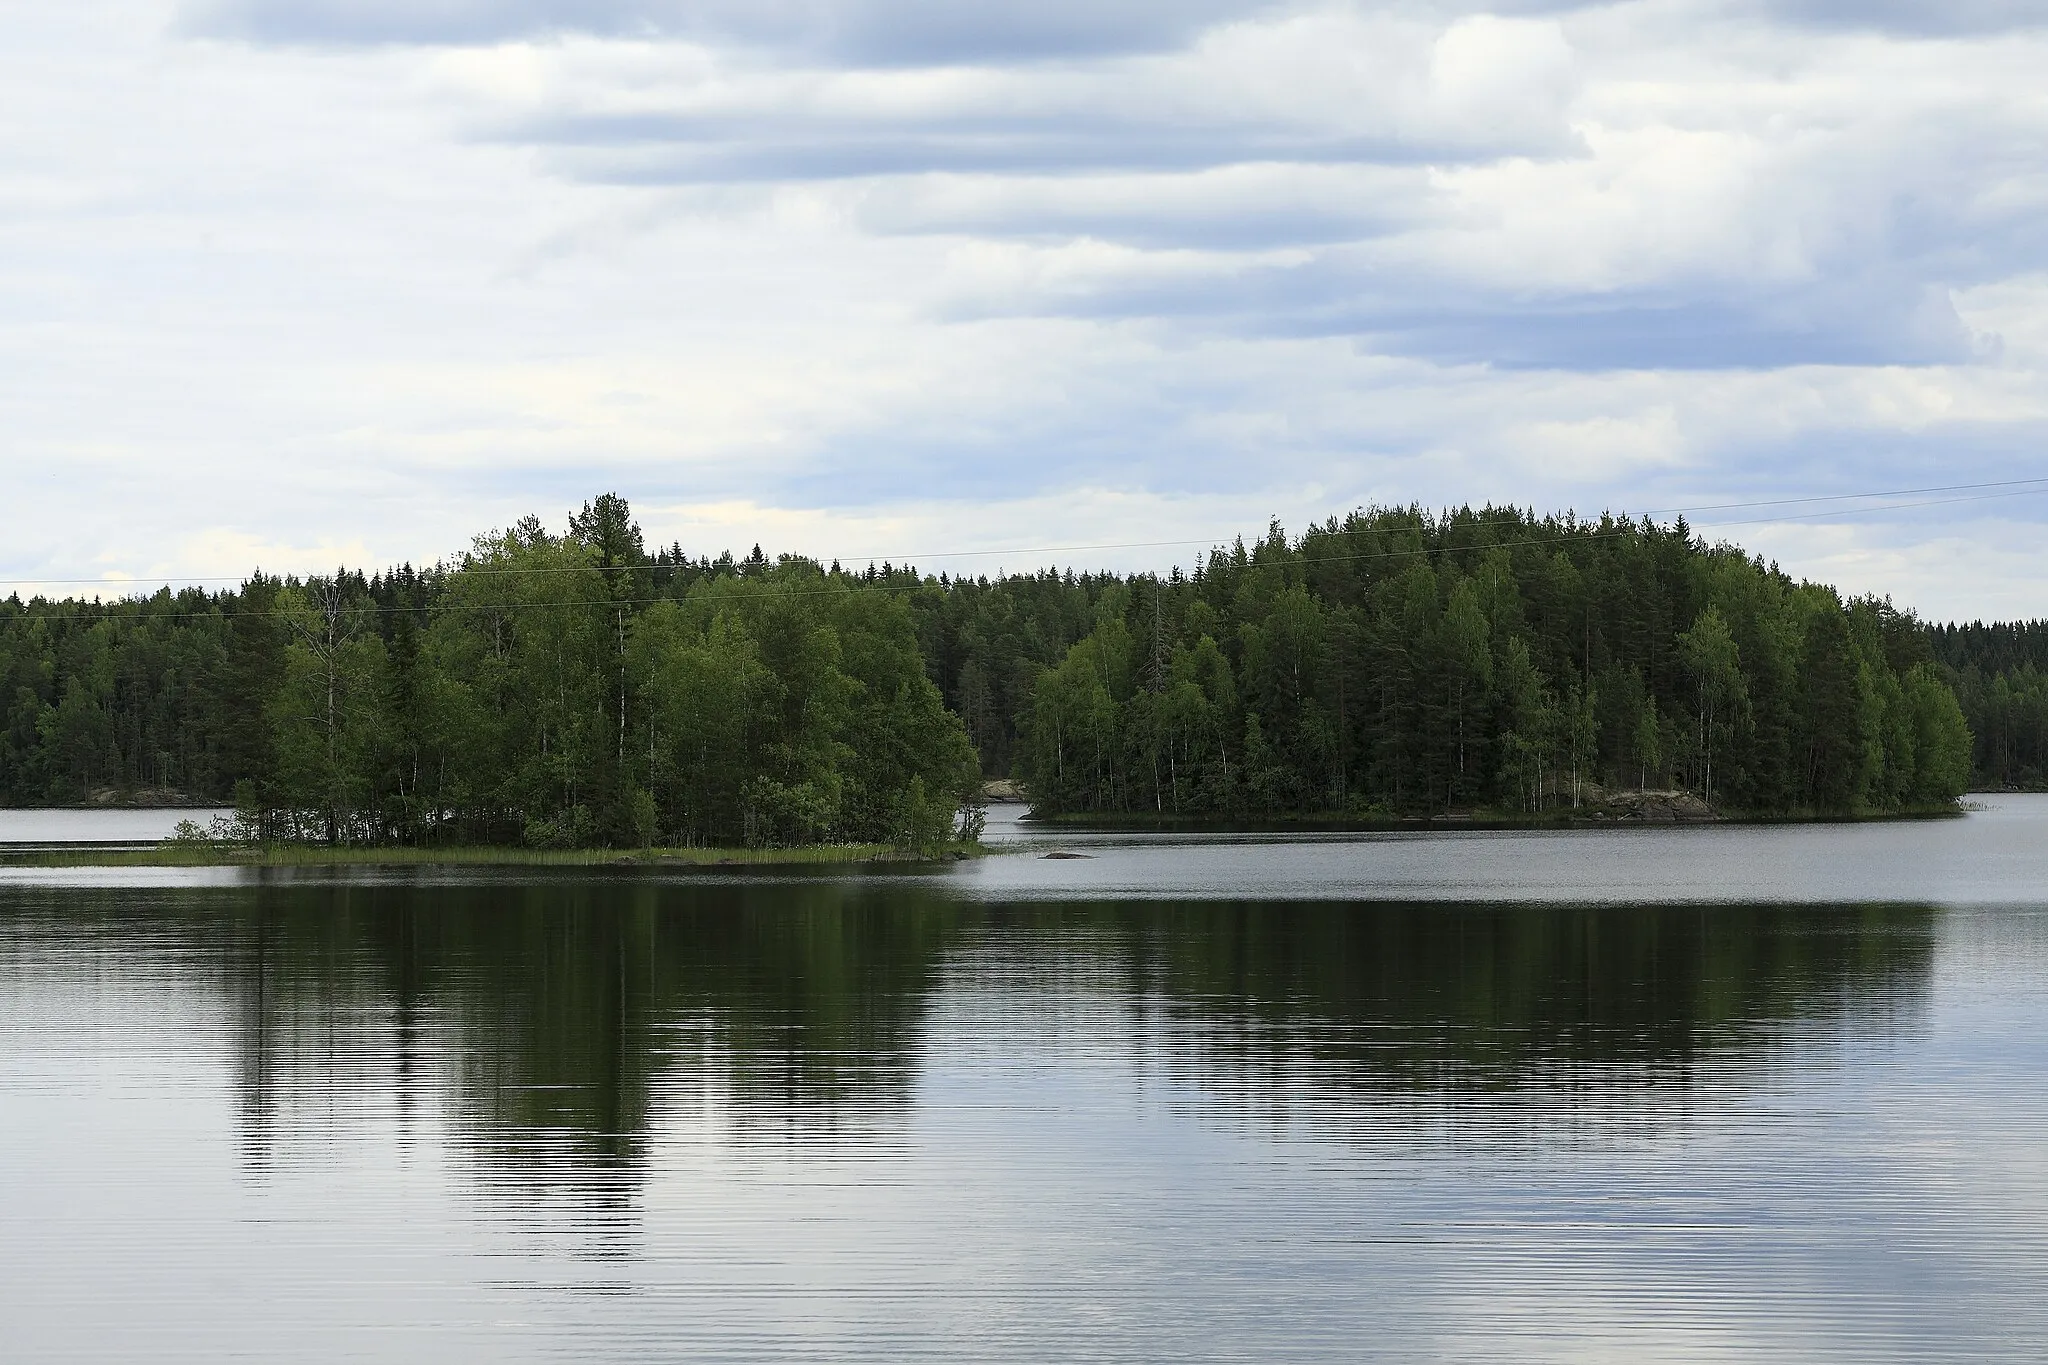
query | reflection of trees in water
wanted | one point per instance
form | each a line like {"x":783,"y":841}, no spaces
{"x":549,"y":1019}
{"x":553,"y":1017}
{"x":571,"y":1006}
{"x":559,"y":1007}
{"x":1431,"y":996}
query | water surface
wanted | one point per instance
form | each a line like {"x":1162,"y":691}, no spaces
{"x":1463,"y":1096}
{"x":99,"y":826}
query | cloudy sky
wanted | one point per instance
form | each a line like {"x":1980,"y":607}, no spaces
{"x":297,"y":281}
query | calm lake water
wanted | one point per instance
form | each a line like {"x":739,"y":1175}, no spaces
{"x":47,"y":827}
{"x":1628,"y":1095}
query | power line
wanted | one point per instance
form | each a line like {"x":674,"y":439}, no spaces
{"x":1847,"y":497}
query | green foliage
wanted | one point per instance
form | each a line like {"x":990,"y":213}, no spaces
{"x":1397,"y":661}
{"x":571,"y":691}
{"x":557,"y":691}
{"x":1714,"y":662}
{"x":1999,"y":676}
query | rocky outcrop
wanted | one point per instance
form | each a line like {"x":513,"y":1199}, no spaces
{"x":1003,"y":789}
{"x":1653,"y":807}
{"x":146,"y":798}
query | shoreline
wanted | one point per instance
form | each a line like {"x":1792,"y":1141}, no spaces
{"x":1584,"y":818}
{"x":172,"y":854}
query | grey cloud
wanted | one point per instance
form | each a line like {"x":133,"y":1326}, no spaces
{"x":1877,"y":295}
{"x":1243,"y":225}
{"x":1885,"y":242}
{"x":1884,"y":318}
{"x":1683,"y":334}
{"x":875,"y":32}
{"x":1914,"y":17}
{"x":1860,"y":459}
{"x":629,"y":152}
{"x":915,"y":32}
{"x":1059,"y":128}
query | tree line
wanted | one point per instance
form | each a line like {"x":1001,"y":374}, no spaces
{"x":575,"y":689}
{"x":1999,"y":673}
{"x":1399,"y":663}
{"x":558,"y":690}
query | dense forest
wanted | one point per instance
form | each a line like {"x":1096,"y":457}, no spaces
{"x":1401,"y":663}
{"x":575,"y":689}
{"x":560,"y":690}
{"x":1999,"y":673}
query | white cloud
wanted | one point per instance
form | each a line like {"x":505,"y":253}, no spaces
{"x":1498,"y":74}
{"x":816,"y":269}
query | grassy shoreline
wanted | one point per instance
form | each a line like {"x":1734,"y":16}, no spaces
{"x":203,"y":853}
{"x":198,"y":854}
{"x":1588,"y":817}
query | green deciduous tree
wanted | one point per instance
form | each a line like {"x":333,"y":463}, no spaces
{"x":1714,"y":663}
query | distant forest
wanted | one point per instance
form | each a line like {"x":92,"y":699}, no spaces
{"x":575,"y":689}
{"x":1999,"y":673}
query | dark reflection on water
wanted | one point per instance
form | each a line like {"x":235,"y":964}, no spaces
{"x":551,"y":1014}
{"x":897,"y":1122}
{"x":1435,"y":995}
{"x":562,"y":1009}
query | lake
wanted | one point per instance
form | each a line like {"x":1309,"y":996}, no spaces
{"x":1686,"y":1094}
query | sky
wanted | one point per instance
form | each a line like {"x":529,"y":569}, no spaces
{"x":292,"y":283}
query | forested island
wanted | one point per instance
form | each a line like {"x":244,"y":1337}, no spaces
{"x":575,"y":690}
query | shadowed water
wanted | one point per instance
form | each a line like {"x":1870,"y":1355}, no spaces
{"x":1040,"y":1109}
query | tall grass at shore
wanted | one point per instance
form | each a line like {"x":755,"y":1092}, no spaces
{"x":193,"y":853}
